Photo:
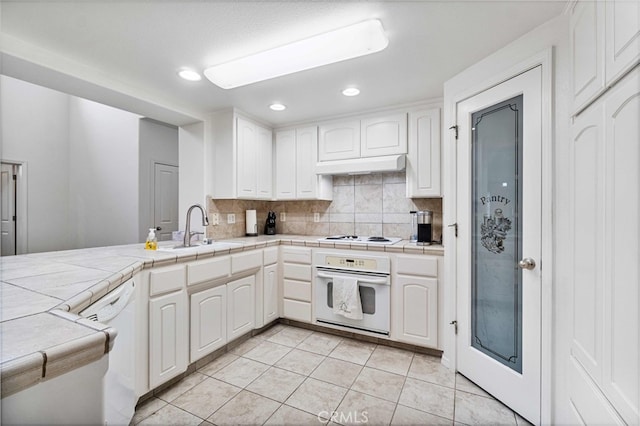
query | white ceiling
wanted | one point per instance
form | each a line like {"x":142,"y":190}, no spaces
{"x":136,"y":47}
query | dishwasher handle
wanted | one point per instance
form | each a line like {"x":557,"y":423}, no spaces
{"x":107,"y":308}
{"x":360,"y":278}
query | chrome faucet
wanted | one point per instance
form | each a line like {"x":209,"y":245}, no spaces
{"x":187,"y":232}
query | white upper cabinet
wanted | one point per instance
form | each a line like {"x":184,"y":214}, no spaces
{"x":385,"y":135}
{"x":587,"y":39}
{"x":246,"y":161}
{"x":296,"y":158}
{"x":605,"y":44}
{"x":622,"y":37}
{"x":423,"y":158}
{"x":375,"y":136}
{"x":264,"y":163}
{"x":242,"y":158}
{"x":339,"y":141}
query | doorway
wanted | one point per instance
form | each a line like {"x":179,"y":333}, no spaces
{"x":13,"y":207}
{"x":165,"y":203}
{"x":498,"y":255}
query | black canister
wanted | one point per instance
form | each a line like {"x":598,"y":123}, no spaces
{"x":424,"y":218}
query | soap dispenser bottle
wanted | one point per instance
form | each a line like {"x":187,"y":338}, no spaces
{"x":152,"y":241}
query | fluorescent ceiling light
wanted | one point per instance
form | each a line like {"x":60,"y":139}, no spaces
{"x":278,"y":107}
{"x":351,"y":91}
{"x":335,"y":46}
{"x":189,"y":75}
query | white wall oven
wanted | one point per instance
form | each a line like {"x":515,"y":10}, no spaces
{"x":373,"y":276}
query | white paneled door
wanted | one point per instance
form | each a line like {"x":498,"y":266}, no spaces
{"x":165,"y":201}
{"x":499,"y":244}
{"x":8,"y":208}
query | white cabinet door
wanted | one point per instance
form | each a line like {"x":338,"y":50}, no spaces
{"x":417,"y":316}
{"x":208,"y":321}
{"x":383,"y":135}
{"x":621,"y":337}
{"x":587,"y":50}
{"x":246,"y":158}
{"x":270,"y":279}
{"x":240,"y":307}
{"x":168,"y":337}
{"x":622,"y":37}
{"x":423,"y":158}
{"x":339,"y":141}
{"x":264,"y":163}
{"x":306,"y":159}
{"x":286,"y":165}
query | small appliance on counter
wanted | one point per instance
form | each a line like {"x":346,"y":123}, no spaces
{"x":270,"y":225}
{"x":423,"y":219}
{"x":252,"y":224}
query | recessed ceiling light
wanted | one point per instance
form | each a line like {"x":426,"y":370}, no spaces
{"x":345,"y":43}
{"x":278,"y":107}
{"x":351,"y":91}
{"x":189,"y":75}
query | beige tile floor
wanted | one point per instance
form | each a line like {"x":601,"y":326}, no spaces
{"x":293,"y":376}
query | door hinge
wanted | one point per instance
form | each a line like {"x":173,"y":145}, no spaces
{"x":454,"y":323}
{"x":455,"y":228}
{"x":15,"y":177}
{"x":14,"y":218}
{"x":455,"y":127}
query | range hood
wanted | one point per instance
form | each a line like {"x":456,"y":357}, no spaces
{"x":361,"y":166}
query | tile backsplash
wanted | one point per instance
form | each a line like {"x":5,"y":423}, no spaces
{"x":374,"y":204}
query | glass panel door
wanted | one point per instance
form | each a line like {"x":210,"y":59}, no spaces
{"x":496,"y":280}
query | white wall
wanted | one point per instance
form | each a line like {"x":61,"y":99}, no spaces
{"x":553,"y":33}
{"x":35,"y":129}
{"x":158,"y":144}
{"x":192,"y":171}
{"x":103,"y":174}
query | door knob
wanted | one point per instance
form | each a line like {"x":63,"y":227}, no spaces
{"x":158,"y":228}
{"x":527,"y":263}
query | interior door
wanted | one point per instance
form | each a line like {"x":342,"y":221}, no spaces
{"x":165,"y":211}
{"x":8,"y":209}
{"x":499,"y":219}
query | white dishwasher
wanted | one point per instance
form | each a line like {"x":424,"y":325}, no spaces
{"x":117,"y":309}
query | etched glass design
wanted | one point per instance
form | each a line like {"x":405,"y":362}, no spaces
{"x":496,"y":282}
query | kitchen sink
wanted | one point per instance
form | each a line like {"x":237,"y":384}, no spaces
{"x":216,"y":245}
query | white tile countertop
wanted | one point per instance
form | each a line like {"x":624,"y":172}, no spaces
{"x":41,"y":335}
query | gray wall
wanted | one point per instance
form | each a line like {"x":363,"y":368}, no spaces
{"x":35,"y":130}
{"x":82,"y":166}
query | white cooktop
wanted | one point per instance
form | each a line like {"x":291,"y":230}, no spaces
{"x":361,"y":239}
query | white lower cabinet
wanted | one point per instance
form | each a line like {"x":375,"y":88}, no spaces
{"x":240,"y":307}
{"x":168,"y":337}
{"x":415,"y":300}
{"x":296,"y":283}
{"x":208,"y":321}
{"x":270,"y":280}
{"x":417,"y":310}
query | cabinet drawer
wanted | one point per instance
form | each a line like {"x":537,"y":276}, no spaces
{"x":297,"y":272}
{"x":208,"y":270}
{"x":166,"y":280}
{"x":246,"y":261}
{"x":425,"y":266}
{"x":296,"y":310}
{"x":296,"y":255}
{"x":270,"y":256}
{"x":299,"y":290}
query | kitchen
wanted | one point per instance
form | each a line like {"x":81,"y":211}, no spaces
{"x":581,"y":83}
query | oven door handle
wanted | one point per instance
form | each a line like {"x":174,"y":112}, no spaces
{"x":368,"y":280}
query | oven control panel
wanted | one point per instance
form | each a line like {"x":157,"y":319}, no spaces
{"x":351,"y":263}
